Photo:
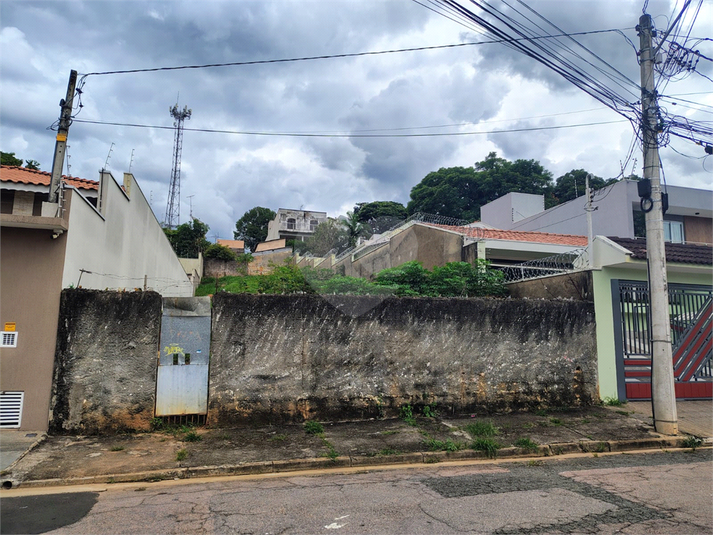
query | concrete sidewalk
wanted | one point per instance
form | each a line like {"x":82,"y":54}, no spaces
{"x":182,"y":452}
{"x":694,"y":417}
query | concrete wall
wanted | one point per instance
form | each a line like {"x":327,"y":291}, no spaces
{"x":577,"y":285}
{"x":120,"y":244}
{"x":105,"y":362}
{"x":508,"y":209}
{"x":214,"y":267}
{"x":30,"y":285}
{"x":282,"y":358}
{"x":428,"y":245}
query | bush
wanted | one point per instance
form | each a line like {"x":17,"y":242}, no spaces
{"x":219,"y":252}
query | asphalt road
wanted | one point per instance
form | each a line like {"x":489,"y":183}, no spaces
{"x":663,"y":492}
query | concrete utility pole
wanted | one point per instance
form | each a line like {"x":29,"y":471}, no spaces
{"x":662,"y":385}
{"x":65,"y":119}
{"x":589,"y":209}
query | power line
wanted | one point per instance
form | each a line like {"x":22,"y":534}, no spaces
{"x":346,"y":55}
{"x":305,"y":134}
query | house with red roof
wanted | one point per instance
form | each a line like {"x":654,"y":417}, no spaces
{"x":100,"y":235}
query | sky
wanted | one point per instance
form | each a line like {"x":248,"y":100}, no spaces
{"x":486,"y":88}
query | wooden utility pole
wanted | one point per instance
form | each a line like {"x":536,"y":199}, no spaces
{"x":65,"y":119}
{"x":662,"y":385}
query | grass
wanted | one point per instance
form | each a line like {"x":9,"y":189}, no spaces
{"x":691,"y":442}
{"x":488,"y":446}
{"x":278,"y":438}
{"x":429,"y":411}
{"x":192,"y":436}
{"x":623,"y":413}
{"x":541,"y":412}
{"x":526,"y":443}
{"x":612,"y":402}
{"x":481,"y":429}
{"x":117,"y":448}
{"x":555,"y":421}
{"x":386,"y":433}
{"x":406,"y":414}
{"x":389,"y":451}
{"x":181,"y":455}
{"x":312,"y":427}
{"x":443,"y":445}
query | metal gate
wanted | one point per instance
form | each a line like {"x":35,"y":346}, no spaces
{"x":691,"y":316}
{"x":184,"y":357}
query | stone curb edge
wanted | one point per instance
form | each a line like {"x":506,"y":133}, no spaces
{"x":267,"y":467}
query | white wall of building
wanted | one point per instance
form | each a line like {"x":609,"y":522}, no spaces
{"x":120,"y":244}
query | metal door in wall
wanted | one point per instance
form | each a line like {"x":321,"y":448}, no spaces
{"x":691,"y":316}
{"x":184,"y":357}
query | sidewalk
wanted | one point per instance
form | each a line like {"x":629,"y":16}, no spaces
{"x":186,"y":452}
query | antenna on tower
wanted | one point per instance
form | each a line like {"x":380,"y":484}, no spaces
{"x":190,"y":200}
{"x":132,"y":160}
{"x":173,"y":209}
{"x":108,"y":156}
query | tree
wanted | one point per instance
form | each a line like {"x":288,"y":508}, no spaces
{"x":380,"y":215}
{"x":188,"y":239}
{"x":327,"y":236}
{"x":32,"y":164}
{"x":354,"y":228}
{"x":459,"y":192}
{"x":571,"y":185}
{"x":8,"y":158}
{"x":219,"y":252}
{"x":252,"y":227}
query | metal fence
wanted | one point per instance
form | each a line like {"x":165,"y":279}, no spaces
{"x":574,"y":260}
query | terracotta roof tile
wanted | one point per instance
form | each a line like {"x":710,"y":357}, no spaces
{"x":517,"y":235}
{"x":683,"y":253}
{"x":22,"y":175}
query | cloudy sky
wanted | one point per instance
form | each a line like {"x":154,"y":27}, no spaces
{"x":468,"y":89}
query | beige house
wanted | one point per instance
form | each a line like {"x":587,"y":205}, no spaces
{"x":101,"y":235}
{"x":294,"y":224}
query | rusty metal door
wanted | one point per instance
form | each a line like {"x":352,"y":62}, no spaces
{"x":184,"y":357}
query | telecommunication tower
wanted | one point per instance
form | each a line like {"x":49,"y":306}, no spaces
{"x":173,"y":207}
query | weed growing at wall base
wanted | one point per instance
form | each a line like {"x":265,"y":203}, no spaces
{"x":487,"y":446}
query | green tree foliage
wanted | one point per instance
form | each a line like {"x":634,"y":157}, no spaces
{"x":252,"y":227}
{"x":189,"y":238}
{"x":571,"y":185}
{"x":32,"y":164}
{"x":455,"y":279}
{"x":380,"y":216}
{"x":219,"y":252}
{"x":328,"y":235}
{"x":459,"y":192}
{"x":354,"y":228}
{"x":8,"y":158}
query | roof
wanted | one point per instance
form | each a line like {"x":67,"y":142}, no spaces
{"x":517,"y":235}
{"x":232,"y":244}
{"x":22,"y":175}
{"x":682,"y":253}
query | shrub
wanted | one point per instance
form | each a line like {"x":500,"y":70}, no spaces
{"x":219,"y":252}
{"x":312,"y":427}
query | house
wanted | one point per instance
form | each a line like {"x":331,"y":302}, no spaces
{"x":294,"y":224}
{"x":689,"y":218}
{"x":268,"y":254}
{"x":436,"y":244}
{"x":100,"y":235}
{"x":617,"y":284}
{"x":237,"y":246}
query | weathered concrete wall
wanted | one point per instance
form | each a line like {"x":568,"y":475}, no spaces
{"x":214,"y":267}
{"x":105,"y":363}
{"x":281,"y":358}
{"x":576,"y":285}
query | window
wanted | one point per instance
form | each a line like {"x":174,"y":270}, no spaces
{"x":313,"y":224}
{"x":9,"y":339}
{"x":291,"y":224}
{"x":673,"y":231}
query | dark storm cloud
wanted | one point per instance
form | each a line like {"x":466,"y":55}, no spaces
{"x":229,"y":174}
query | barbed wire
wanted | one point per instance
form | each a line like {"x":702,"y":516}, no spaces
{"x":574,"y":260}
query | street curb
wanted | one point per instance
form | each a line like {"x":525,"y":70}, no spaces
{"x":296,"y":465}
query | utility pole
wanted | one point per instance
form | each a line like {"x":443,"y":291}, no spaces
{"x":65,"y":119}
{"x":589,"y":209}
{"x":663,"y":393}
